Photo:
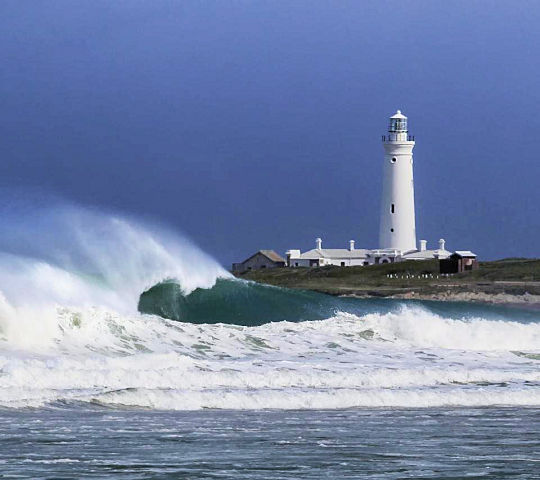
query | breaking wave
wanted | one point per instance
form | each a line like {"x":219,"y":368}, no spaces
{"x":68,"y":257}
{"x":71,"y":333}
{"x":240,"y":303}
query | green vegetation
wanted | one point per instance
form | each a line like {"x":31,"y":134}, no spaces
{"x":514,"y":276}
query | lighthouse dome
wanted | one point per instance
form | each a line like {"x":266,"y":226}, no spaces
{"x":398,"y":114}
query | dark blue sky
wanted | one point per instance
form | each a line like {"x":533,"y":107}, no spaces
{"x":257,"y":124}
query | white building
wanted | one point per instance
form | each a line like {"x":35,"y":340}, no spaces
{"x":344,"y":257}
{"x":397,"y":229}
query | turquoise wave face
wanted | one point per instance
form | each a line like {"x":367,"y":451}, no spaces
{"x":250,"y":304}
{"x":240,"y":303}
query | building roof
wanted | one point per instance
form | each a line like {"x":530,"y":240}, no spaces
{"x":275,"y":257}
{"x":333,"y":253}
{"x":426,"y":254}
{"x":465,"y":253}
{"x":270,"y":254}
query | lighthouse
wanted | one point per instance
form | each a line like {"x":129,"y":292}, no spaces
{"x":397,"y":224}
{"x":397,"y":235}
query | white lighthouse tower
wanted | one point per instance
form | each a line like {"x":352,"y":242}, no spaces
{"x":397,"y":227}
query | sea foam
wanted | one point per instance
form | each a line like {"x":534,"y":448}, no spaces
{"x":156,"y":363}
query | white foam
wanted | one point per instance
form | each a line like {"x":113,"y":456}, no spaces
{"x":422,"y":328}
{"x":317,"y":399}
{"x":342,"y":362}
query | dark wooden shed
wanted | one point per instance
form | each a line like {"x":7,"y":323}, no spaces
{"x":459,"y":261}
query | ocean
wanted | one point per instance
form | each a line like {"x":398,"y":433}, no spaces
{"x":84,"y":441}
{"x":206,"y":376}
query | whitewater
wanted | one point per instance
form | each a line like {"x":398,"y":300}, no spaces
{"x":74,"y":283}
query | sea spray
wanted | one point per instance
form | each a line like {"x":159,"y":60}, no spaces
{"x":84,"y":252}
{"x":64,"y":256}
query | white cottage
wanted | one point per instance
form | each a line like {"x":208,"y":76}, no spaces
{"x":318,"y":257}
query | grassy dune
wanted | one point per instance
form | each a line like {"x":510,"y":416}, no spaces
{"x":511,"y":276}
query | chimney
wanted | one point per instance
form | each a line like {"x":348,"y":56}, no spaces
{"x":441,"y":244}
{"x":351,"y":245}
{"x":423,"y":245}
{"x":318,"y":243}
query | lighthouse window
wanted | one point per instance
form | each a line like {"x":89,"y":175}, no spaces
{"x":394,"y":159}
{"x":391,"y":229}
{"x":393,"y":209}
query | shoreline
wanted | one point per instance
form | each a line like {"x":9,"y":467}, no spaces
{"x":507,"y":282}
{"x":526,"y":301}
